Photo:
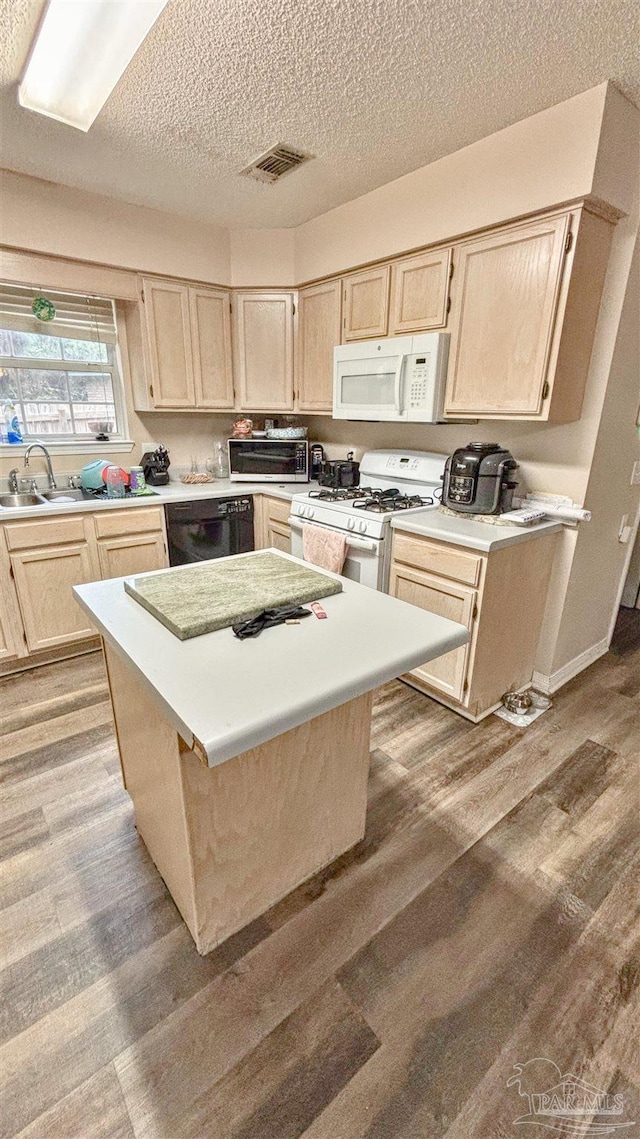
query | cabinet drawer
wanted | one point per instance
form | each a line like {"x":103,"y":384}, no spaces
{"x":135,"y":520}
{"x":277,"y":509}
{"x":49,"y":532}
{"x":436,"y":557}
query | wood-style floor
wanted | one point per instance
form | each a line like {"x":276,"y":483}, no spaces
{"x":489,"y":917}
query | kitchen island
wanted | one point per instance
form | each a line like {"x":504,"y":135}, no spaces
{"x":247,"y":761}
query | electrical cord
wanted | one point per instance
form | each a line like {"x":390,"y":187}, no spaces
{"x":267,"y":619}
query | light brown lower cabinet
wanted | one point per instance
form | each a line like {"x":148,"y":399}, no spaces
{"x":139,"y":553}
{"x":499,"y":596}
{"x":44,"y":579}
{"x":42,"y":559}
{"x":12,"y":640}
{"x":129,"y":542}
{"x":271,"y":523}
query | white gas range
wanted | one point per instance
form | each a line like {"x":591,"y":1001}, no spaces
{"x":391,"y":482}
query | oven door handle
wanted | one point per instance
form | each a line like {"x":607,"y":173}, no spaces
{"x":353,"y":542}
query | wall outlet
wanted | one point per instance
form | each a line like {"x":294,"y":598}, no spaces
{"x":635,"y":473}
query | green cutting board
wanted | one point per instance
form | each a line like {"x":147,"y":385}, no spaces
{"x":198,"y":599}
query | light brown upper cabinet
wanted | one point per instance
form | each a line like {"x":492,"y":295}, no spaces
{"x":211,"y":344}
{"x":524,"y":307}
{"x":188,"y":345}
{"x":419,"y":292}
{"x":168,"y":337}
{"x":319,"y":328}
{"x":366,"y":304}
{"x":263,"y":350}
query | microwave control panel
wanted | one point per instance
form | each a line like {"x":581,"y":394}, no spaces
{"x":418,"y":380}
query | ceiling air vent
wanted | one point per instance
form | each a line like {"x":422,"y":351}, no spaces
{"x":275,"y":163}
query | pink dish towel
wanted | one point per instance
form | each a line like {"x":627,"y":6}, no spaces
{"x":324,"y":548}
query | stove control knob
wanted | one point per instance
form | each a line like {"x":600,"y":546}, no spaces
{"x":299,"y":510}
{"x":310,"y":512}
{"x":362,"y":527}
{"x":351,"y":523}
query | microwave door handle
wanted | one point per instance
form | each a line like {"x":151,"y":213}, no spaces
{"x":397,"y":393}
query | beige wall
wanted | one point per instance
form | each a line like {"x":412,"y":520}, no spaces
{"x":55,"y":219}
{"x":600,"y":558}
{"x":263,"y":257}
{"x":543,"y":160}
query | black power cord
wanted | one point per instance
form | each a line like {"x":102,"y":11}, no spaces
{"x":267,"y":619}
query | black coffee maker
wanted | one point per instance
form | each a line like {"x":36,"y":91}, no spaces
{"x":155,"y":465}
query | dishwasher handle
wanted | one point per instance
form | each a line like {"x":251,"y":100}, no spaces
{"x":353,"y":542}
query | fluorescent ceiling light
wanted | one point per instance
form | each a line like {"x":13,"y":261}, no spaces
{"x":81,"y":50}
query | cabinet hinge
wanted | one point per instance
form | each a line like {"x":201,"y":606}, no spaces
{"x":475,"y":613}
{"x":230,"y":306}
{"x":293,"y":308}
{"x":151,"y":390}
{"x":545,"y":389}
{"x":569,"y":242}
{"x":11,"y":573}
{"x":448,"y":305}
{"x":451,"y":270}
{"x":465,"y":686}
{"x":142,"y":296}
{"x":24,"y":638}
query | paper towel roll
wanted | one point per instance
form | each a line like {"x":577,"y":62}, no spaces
{"x":562,"y":513}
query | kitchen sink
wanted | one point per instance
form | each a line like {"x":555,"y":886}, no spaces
{"x":68,"y":495}
{"x":10,"y":501}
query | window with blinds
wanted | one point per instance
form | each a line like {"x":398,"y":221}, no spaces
{"x":60,"y":367}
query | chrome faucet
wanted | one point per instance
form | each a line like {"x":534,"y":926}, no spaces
{"x":52,"y":482}
{"x":13,"y":481}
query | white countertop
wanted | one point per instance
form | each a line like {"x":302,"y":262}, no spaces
{"x":483,"y":536}
{"x":233,"y":695}
{"x":174,"y":492}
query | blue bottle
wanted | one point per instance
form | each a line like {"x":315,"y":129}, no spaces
{"x":11,"y":423}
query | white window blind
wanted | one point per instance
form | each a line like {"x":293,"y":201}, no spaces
{"x":77,"y":317}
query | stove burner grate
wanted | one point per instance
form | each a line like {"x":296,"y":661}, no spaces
{"x":373,"y":499}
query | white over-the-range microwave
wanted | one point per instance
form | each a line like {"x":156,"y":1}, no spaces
{"x":401,"y":379}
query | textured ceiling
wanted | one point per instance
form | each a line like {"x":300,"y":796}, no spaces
{"x":374,"y":88}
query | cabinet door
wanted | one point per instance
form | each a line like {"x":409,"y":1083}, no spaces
{"x":506,"y":289}
{"x":419,"y":292}
{"x":132,"y":554}
{"x":366,"y":304}
{"x":279,"y":536}
{"x":319,"y":309}
{"x":447,"y":673}
{"x":211,"y":346}
{"x":168,"y":334}
{"x":263,"y":350}
{"x":44,"y":578}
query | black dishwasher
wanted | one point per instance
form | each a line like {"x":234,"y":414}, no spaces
{"x":209,"y":528}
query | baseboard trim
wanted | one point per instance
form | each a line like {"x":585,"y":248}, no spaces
{"x":551,"y":684}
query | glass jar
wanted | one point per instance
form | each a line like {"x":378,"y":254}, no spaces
{"x":115,"y":482}
{"x":221,"y":466}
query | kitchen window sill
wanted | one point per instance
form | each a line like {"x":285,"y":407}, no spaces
{"x":71,"y":447}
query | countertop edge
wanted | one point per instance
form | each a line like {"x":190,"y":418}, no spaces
{"x":235,"y":743}
{"x":163,"y":496}
{"x":426,"y":526}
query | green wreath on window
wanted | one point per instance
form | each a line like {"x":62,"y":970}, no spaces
{"x":43,"y":309}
